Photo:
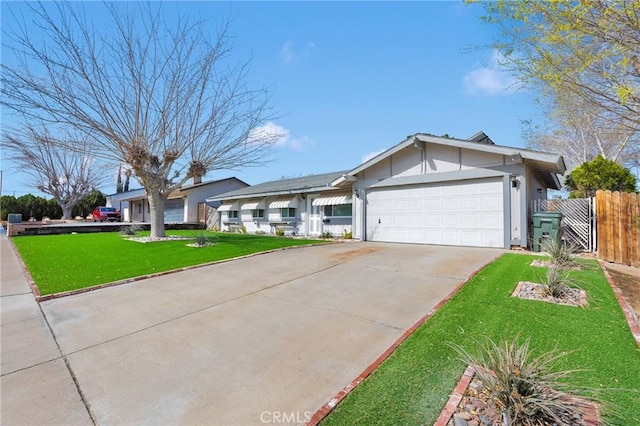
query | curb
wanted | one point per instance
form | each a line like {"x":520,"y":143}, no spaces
{"x":319,"y":415}
{"x":626,"y":309}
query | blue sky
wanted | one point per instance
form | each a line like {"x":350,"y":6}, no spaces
{"x":349,"y":79}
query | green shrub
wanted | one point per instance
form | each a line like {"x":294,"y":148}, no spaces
{"x":326,"y":235}
{"x":280,"y":232}
{"x":347,"y":234}
{"x":242,"y":229}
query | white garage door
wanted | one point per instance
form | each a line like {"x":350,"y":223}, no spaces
{"x":174,"y":210}
{"x":461,"y":213}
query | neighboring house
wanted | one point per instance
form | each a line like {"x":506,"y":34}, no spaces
{"x":426,"y":189}
{"x":184,"y":205}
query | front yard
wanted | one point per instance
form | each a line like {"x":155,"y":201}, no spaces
{"x":59,"y":263}
{"x":413,"y":385}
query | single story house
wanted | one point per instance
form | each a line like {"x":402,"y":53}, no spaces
{"x":426,"y":189}
{"x":184,"y":205}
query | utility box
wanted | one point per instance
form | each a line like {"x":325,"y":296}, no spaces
{"x":545,"y":225}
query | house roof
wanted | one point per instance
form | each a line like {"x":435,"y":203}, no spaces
{"x":546,"y":166}
{"x":141,"y":193}
{"x":321,"y":182}
{"x":197,"y":185}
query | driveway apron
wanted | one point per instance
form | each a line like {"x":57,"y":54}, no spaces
{"x":265,"y":339}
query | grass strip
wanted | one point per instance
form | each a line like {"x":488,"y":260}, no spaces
{"x":413,"y":384}
{"x":68,"y":262}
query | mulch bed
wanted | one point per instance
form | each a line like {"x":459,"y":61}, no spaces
{"x":534,"y":291}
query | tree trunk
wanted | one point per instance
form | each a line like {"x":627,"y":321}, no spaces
{"x":66,"y":212}
{"x":156,"y":204}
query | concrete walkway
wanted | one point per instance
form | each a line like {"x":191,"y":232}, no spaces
{"x":266,"y":339}
{"x":36,"y":387}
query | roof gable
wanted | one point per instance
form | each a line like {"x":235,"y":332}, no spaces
{"x":543,"y":163}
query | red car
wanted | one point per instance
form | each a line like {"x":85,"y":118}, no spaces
{"x":106,"y":214}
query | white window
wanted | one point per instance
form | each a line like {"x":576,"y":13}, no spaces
{"x":232,"y":214}
{"x":287,"y":212}
{"x":257,"y":213}
{"x":338,"y":210}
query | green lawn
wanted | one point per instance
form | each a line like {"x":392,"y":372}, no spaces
{"x":412,"y":386}
{"x":68,"y":262}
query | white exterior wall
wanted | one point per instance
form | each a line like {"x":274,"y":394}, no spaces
{"x":270,"y":216}
{"x":199,"y":194}
{"x":441,"y":158}
{"x":406,"y":162}
{"x":140,"y":211}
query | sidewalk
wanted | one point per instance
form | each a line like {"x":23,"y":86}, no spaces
{"x":36,"y":386}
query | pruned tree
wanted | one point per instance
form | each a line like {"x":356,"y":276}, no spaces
{"x":155,"y":91}
{"x":66,"y":175}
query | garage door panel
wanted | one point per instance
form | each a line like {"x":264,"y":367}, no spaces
{"x":470,"y":220}
{"x":453,"y":213}
{"x":472,"y":238}
{"x":451,"y":220}
{"x":491,"y":221}
{"x":470,"y":203}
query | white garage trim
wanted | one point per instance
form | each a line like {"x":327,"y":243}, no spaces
{"x":460,"y":213}
{"x":439,"y":177}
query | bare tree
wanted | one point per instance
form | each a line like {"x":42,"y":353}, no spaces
{"x":155,"y":91}
{"x":65,"y":175}
{"x":581,"y":131}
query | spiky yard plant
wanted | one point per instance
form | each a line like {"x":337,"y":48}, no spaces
{"x":556,"y":284}
{"x":524,"y":390}
{"x":202,"y":239}
{"x":130,"y":230}
{"x":559,"y":251}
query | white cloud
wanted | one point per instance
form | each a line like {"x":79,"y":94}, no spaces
{"x":491,"y":79}
{"x":370,"y":155}
{"x":289,"y":54}
{"x":281,"y":137}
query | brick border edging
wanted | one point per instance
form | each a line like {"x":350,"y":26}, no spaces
{"x":450,"y":407}
{"x":39,"y":298}
{"x":329,"y":406}
{"x":626,"y":309}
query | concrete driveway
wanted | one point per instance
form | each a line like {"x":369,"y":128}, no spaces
{"x":249,"y":341}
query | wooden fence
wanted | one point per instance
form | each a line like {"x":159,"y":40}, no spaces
{"x":618,"y":221}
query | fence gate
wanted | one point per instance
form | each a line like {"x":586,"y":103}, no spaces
{"x":578,"y":219}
